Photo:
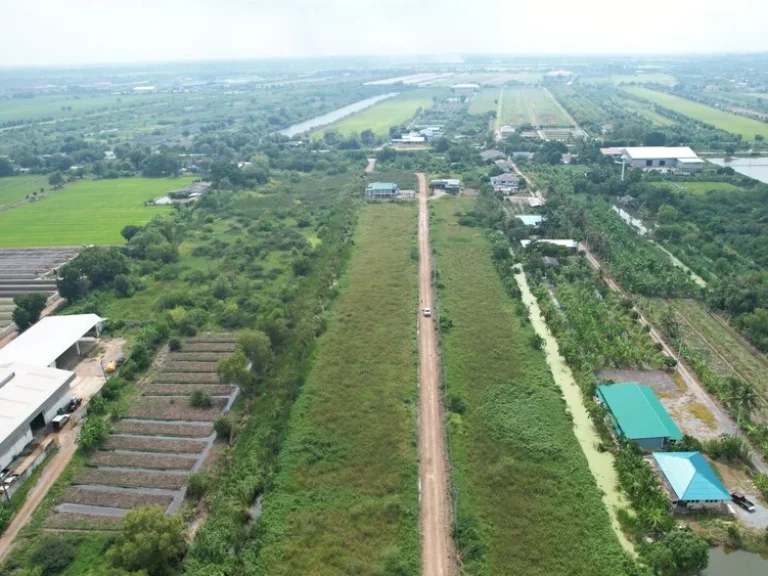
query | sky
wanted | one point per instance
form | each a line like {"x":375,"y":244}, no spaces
{"x":70,"y":32}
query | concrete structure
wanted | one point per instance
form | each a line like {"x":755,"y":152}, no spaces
{"x":530,"y":219}
{"x":612,"y":152}
{"x":381,"y":190}
{"x":43,"y":343}
{"x":506,"y":131}
{"x":636,"y":414}
{"x":689,"y":481}
{"x":30,"y":397}
{"x":507,"y":183}
{"x":662,"y":157}
{"x":465,"y":89}
{"x":571,"y":245}
{"x":450,"y":185}
{"x":410,"y":138}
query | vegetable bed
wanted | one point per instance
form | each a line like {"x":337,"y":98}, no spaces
{"x":198,"y":356}
{"x":166,"y":480}
{"x":163,"y":429}
{"x":189,"y":367}
{"x":175,"y":409}
{"x":154,"y":461}
{"x":208,"y":347}
{"x":192,"y":377}
{"x":187,"y":389}
{"x":152,"y":444}
{"x":70,"y":521}
{"x":231,"y":338}
{"x":113,"y":498}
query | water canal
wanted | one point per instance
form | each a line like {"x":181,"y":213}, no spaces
{"x":333,"y":116}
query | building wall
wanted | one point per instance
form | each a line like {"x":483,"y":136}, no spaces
{"x":14,"y":445}
{"x":651,"y":443}
{"x":698,"y":504}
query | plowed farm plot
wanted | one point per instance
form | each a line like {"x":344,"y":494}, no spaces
{"x":208,"y":347}
{"x":113,"y":498}
{"x":163,"y":428}
{"x":154,"y":444}
{"x":188,"y":377}
{"x":190,"y":367}
{"x":138,"y":460}
{"x":69,"y":521}
{"x":134,"y":479}
{"x":187,"y":389}
{"x":175,"y":409}
{"x":211,"y":357}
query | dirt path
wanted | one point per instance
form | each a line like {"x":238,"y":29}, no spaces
{"x":722,"y":418}
{"x":437,"y":556}
{"x":35,"y":496}
{"x":499,"y":110}
{"x":370,"y":166}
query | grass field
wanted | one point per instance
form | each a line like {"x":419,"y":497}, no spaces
{"x":380,"y":117}
{"x":528,"y":503}
{"x":732,"y":123}
{"x":532,"y":106}
{"x":346,"y":497}
{"x":89,"y":212}
{"x":699,"y":187}
{"x":484,"y":101}
{"x":645,"y":111}
{"x":618,"y":79}
{"x":15,"y":188}
{"x":27,"y":109}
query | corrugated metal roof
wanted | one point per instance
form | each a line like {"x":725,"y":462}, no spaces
{"x":529,"y":219}
{"x":41,"y":344}
{"x":659,"y":152}
{"x":638,"y":412}
{"x":382,"y":186}
{"x":690,"y":476}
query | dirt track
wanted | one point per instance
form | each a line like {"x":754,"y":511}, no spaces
{"x":437,"y":557}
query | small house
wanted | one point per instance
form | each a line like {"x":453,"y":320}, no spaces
{"x":381,"y":190}
{"x":450,"y":185}
{"x":506,"y":183}
{"x":689,"y":480}
{"x":637,"y":414}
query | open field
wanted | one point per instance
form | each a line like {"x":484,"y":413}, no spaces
{"x":484,"y":101}
{"x":89,"y":212}
{"x":618,"y":79}
{"x":732,"y":123}
{"x":380,"y":117}
{"x":346,"y":496}
{"x":645,"y":111}
{"x":55,"y":107}
{"x":531,"y":106}
{"x":15,"y":188}
{"x":528,"y":503}
{"x":698,"y":187}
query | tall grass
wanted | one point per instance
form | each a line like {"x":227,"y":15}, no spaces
{"x":345,"y":500}
{"x":527,"y":502}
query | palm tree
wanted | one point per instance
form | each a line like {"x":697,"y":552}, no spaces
{"x":746,"y":400}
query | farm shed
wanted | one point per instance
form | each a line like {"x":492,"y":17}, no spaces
{"x":381,"y":190}
{"x":689,"y":481}
{"x":662,"y":157}
{"x":451,"y":185}
{"x":530,"y":219}
{"x":636,"y":414}
{"x":465,"y":89}
{"x":30,"y":396}
{"x":42,"y":344}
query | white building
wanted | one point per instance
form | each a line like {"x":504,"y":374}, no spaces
{"x":662,"y":157}
{"x":506,"y":183}
{"x":530,"y":219}
{"x":410,"y":138}
{"x":567,"y":244}
{"x":465,"y":89}
{"x":30,"y":397}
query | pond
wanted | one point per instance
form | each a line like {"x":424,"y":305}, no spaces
{"x":756,"y":168}
{"x":735,"y":563}
{"x":333,"y":116}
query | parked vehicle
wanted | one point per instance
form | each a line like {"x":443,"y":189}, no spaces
{"x":73,"y":404}
{"x":742,"y":501}
{"x":427,"y":312}
{"x":60,"y":421}
{"x":10,"y":479}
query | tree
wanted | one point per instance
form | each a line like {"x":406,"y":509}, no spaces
{"x":28,"y":309}
{"x":258,"y":350}
{"x":150,"y":541}
{"x":367,"y":137}
{"x":130,"y":231}
{"x":160,"y":165}
{"x":667,"y":214}
{"x":6,"y":168}
{"x":123,"y":285}
{"x":53,"y":555}
{"x":690,"y":552}
{"x":233,"y":369}
{"x":56,"y":180}
{"x":655,"y":139}
{"x":72,"y":284}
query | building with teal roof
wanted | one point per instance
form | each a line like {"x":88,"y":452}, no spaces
{"x":637,"y":414}
{"x":690,"y":481}
{"x":381,"y":190}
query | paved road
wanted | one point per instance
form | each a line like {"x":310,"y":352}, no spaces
{"x":53,"y":469}
{"x":437,"y":556}
{"x":723,"y":419}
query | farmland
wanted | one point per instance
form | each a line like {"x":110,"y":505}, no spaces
{"x":17,"y":188}
{"x":619,"y":79}
{"x":746,"y":127}
{"x":522,"y":479}
{"x":484,"y":101}
{"x":89,"y":212}
{"x":391,"y":112}
{"x":531,"y":106}
{"x":55,"y":107}
{"x":700,"y":187}
{"x":346,"y":497}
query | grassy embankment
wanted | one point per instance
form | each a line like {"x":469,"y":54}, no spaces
{"x":732,"y":123}
{"x":528,"y":503}
{"x":15,"y":189}
{"x":89,"y":212}
{"x":345,"y":500}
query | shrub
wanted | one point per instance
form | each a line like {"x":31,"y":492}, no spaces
{"x":174,"y":344}
{"x":28,"y":309}
{"x":123,"y":286}
{"x":97,"y":405}
{"x":197,"y":485}
{"x":93,"y":432}
{"x":200,"y":399}
{"x":223,"y":427}
{"x":53,"y":555}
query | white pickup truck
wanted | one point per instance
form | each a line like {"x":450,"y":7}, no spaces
{"x":427,"y":312}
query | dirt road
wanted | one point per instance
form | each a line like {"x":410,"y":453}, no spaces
{"x":53,"y":470}
{"x":723,"y":419}
{"x":370,"y":166}
{"x":436,"y":551}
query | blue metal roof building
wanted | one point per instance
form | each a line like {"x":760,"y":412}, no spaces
{"x":692,"y":481}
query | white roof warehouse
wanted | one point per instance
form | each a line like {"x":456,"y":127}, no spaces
{"x":30,"y":396}
{"x":661,"y":157}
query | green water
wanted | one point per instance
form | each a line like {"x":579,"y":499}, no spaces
{"x":736,"y":563}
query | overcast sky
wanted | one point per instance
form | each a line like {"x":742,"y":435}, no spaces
{"x":55,"y":32}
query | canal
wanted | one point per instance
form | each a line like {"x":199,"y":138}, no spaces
{"x":333,"y":116}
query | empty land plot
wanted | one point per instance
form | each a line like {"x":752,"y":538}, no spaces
{"x":139,"y":460}
{"x":211,"y":357}
{"x":175,"y":409}
{"x":346,"y":495}
{"x":207,"y":347}
{"x":14,"y":189}
{"x":70,"y":521}
{"x":162,"y":428}
{"x":514,"y":110}
{"x":187,"y":389}
{"x":188,"y":377}
{"x":746,"y":127}
{"x":134,"y":479}
{"x":113,"y":498}
{"x":699,"y":187}
{"x":89,"y":212}
{"x":189,"y":367}
{"x":153,"y":444}
{"x":532,"y":106}
{"x":485,"y":101}
{"x":380,"y":117}
{"x":523,"y":481}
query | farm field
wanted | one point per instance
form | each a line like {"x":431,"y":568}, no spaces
{"x":645,"y":111}
{"x":491,"y":78}
{"x":484,"y":101}
{"x":89,"y":212}
{"x":14,"y":189}
{"x":380,"y":117}
{"x":528,"y":503}
{"x":346,"y":497}
{"x":531,"y":106}
{"x":732,"y":123}
{"x":50,"y":107}
{"x":618,"y":79}
{"x":699,"y":187}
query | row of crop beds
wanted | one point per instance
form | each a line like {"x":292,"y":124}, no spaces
{"x":150,"y":453}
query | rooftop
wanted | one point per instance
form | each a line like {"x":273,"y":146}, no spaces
{"x":530,"y":219}
{"x":572,"y":244}
{"x":45,"y":341}
{"x":23,"y":391}
{"x":660,"y":152}
{"x":466,"y":85}
{"x":690,"y":476}
{"x":382,"y":186}
{"x":637,"y":411}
